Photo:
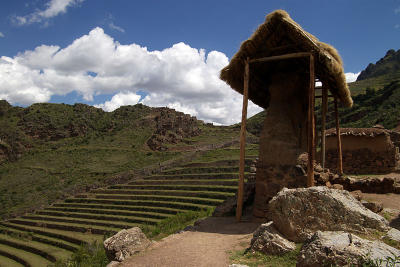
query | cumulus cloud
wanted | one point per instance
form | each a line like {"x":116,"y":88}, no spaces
{"x":179,"y":77}
{"x":53,"y":9}
{"x":1,"y":35}
{"x":120,"y":99}
{"x":351,"y":77}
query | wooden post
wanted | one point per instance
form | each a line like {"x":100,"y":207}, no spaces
{"x":339,"y":141}
{"x":311,"y":125}
{"x":323,"y":123}
{"x":239,"y":206}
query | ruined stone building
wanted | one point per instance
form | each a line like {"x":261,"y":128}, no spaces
{"x":365,"y":150}
{"x":282,"y":59}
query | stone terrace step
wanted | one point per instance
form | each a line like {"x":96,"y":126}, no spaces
{"x":60,"y":243}
{"x":45,"y":251}
{"x":219,"y":163}
{"x":203,"y":194}
{"x":231,"y":182}
{"x":160,"y":210}
{"x":77,"y":238}
{"x":73,"y":227}
{"x":204,"y":201}
{"x":167,"y":204}
{"x":193,"y":176}
{"x":8,"y":260}
{"x":114,"y":222}
{"x":214,"y":188}
{"x":91,"y":213}
{"x":192,"y":170}
{"x":29,"y":259}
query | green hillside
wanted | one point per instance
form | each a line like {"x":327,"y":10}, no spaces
{"x":52,"y":151}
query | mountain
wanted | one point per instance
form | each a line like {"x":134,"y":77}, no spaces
{"x":390,"y":63}
{"x":49,"y":151}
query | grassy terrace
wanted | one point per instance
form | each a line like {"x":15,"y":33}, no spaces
{"x":56,"y":232}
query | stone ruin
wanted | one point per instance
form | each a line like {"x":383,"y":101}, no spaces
{"x":365,"y":150}
{"x":282,"y":87}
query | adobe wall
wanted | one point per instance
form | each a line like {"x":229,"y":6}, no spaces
{"x":363,"y":154}
{"x":283,"y":139}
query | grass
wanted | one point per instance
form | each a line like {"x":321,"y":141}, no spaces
{"x":259,"y":259}
{"x":7,"y":262}
{"x":175,"y":223}
{"x":32,"y":258}
{"x":88,"y":255}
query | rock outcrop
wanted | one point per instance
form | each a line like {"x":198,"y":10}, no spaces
{"x":268,"y":240}
{"x":298,"y":213}
{"x":125,"y":243}
{"x":342,"y":249}
{"x":172,"y":127}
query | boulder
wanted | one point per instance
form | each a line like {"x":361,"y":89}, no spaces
{"x":298,"y":213}
{"x":268,"y":240}
{"x":393,"y":234}
{"x":341,"y":248}
{"x":125,"y":243}
{"x":113,"y":264}
{"x":372,"y":206}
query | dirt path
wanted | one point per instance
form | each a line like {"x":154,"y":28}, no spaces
{"x":215,"y":237}
{"x":209,"y":245}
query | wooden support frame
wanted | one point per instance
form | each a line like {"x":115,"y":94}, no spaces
{"x":311,"y":121}
{"x":339,"y":140}
{"x":246,"y":77}
{"x":311,"y":124}
{"x":323,"y":124}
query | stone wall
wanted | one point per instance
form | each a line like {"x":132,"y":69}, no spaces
{"x":283,"y":140}
{"x":363,"y":155}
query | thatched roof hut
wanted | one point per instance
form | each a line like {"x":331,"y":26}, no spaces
{"x":279,"y":35}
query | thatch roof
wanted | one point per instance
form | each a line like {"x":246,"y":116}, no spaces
{"x":279,"y":35}
{"x":366,"y":132}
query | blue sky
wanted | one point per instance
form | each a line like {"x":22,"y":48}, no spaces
{"x":165,"y":53}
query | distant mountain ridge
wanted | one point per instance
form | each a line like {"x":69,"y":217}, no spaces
{"x":390,"y":63}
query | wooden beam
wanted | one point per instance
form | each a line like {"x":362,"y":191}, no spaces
{"x":339,"y":141}
{"x":320,"y":96}
{"x":287,"y":56}
{"x":311,"y":125}
{"x":239,"y":206}
{"x":323,"y":124}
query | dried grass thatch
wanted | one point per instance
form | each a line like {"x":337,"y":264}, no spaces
{"x":279,"y":35}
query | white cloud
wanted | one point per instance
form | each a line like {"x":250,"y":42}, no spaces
{"x":179,"y":77}
{"x":120,"y":99}
{"x":53,"y":9}
{"x":115,"y":27}
{"x":397,"y":10}
{"x":1,"y":35}
{"x":351,"y":77}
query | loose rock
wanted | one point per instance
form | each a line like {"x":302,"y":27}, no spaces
{"x":268,"y":240}
{"x":125,"y":243}
{"x":393,"y":234}
{"x":341,"y":248}
{"x":298,"y":213}
{"x":372,"y":206}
